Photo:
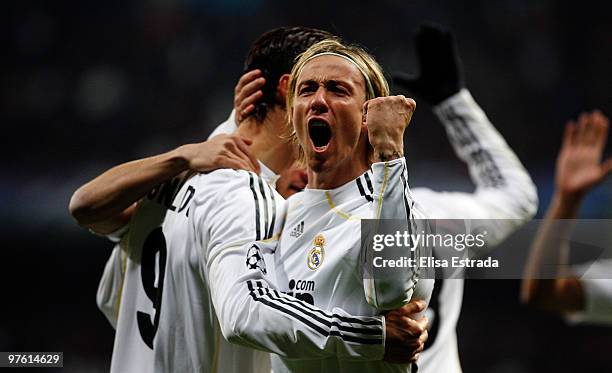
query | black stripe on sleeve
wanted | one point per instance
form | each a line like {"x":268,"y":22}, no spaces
{"x":417,"y":252}
{"x":406,"y":207}
{"x":410,"y":220}
{"x":265,"y":204}
{"x":274,"y":295}
{"x":315,"y":327}
{"x":281,"y":305}
{"x":271,"y":229}
{"x":257,"y":228}
{"x":309,"y":308}
{"x":290,"y":313}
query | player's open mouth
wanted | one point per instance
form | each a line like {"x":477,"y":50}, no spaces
{"x":320,"y":134}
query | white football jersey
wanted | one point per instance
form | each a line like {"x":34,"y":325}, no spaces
{"x":320,"y":258}
{"x":504,"y":194}
{"x":191,"y":270}
{"x":155,"y":286}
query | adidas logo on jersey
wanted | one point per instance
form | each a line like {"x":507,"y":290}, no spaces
{"x":297,"y":230}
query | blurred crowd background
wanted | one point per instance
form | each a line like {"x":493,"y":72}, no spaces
{"x":87,"y":85}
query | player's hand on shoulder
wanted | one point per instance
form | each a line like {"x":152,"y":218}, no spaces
{"x":386,"y":119}
{"x":247,"y":92}
{"x":405,"y":337}
{"x":222,"y":151}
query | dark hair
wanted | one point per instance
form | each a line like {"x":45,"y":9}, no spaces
{"x":274,"y":53}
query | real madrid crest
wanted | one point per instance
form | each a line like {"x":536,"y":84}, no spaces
{"x":317,"y":253}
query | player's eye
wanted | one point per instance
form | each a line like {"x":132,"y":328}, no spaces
{"x":338,"y":89}
{"x":306,"y":89}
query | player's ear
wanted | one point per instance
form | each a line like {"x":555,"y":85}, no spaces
{"x":283,"y":85}
{"x":364,"y":115}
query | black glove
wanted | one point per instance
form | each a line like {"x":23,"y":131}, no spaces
{"x":441,"y":73}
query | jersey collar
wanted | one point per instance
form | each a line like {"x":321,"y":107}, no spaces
{"x":268,"y":175}
{"x":360,"y":187}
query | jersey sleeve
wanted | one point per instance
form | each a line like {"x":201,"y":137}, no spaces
{"x":116,"y":235}
{"x":234,"y":208}
{"x":253,"y":313}
{"x":111,"y":284}
{"x":393,"y":200}
{"x":505,"y":196}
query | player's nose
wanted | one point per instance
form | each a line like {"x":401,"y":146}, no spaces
{"x":318,"y":103}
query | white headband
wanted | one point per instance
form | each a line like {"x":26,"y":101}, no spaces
{"x":349,"y":59}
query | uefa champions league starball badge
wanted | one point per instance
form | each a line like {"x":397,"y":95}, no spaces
{"x":317,"y":253}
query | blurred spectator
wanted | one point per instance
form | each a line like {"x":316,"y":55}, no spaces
{"x":579,"y":169}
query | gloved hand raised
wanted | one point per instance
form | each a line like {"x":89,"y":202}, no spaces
{"x":441,"y":74}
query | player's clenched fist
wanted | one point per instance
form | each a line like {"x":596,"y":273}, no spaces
{"x":386,"y":119}
{"x":405,"y":337}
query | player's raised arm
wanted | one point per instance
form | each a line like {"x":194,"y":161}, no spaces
{"x":505,"y":194}
{"x":106,"y":203}
{"x":441,"y":73}
{"x":579,"y":169}
{"x":386,"y":119}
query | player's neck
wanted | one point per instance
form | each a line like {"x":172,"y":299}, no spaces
{"x":330,"y":179}
{"x":267,"y":145}
{"x":334,"y":173}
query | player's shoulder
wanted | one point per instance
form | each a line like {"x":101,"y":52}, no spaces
{"x":223,"y":176}
{"x":227,"y":184}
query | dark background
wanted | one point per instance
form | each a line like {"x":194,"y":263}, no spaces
{"x":87,"y":85}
